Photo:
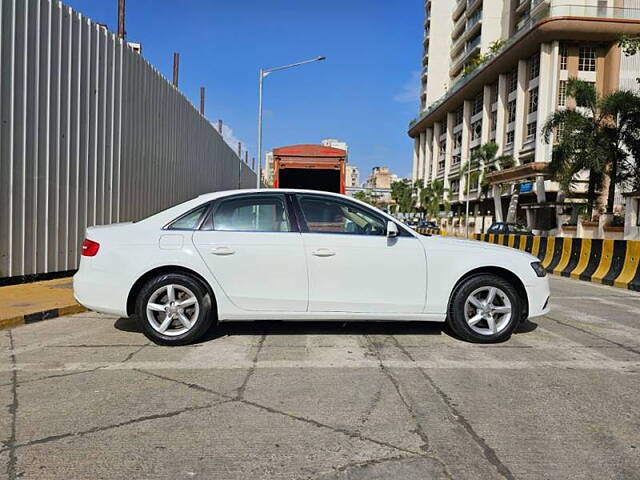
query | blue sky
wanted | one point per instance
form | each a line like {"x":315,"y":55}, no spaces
{"x":365,"y":93}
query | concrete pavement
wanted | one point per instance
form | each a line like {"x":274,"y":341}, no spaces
{"x":87,"y":396}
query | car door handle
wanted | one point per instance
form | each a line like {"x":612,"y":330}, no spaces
{"x":323,"y":252}
{"x":222,"y":251}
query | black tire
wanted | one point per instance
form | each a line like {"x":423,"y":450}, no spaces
{"x":204,"y":319}
{"x":456,"y":315}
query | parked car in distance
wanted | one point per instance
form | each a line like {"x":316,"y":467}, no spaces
{"x":509,"y":229}
{"x":427,"y":224}
{"x":285,"y":254}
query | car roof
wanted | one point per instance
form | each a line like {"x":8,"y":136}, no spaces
{"x":225,"y":193}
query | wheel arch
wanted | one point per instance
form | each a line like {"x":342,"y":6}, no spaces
{"x":504,"y":273}
{"x":137,"y":286}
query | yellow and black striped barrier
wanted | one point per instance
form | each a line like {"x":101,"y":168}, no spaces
{"x":610,"y":262}
{"x":431,"y":231}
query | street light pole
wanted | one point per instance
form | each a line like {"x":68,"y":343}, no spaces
{"x":466,"y":220}
{"x":262,"y":75}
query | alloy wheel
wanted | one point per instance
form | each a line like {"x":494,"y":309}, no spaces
{"x":172,"y":310}
{"x":487,"y":310}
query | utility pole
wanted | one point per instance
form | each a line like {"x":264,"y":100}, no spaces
{"x":202,"y":100}
{"x":121,"y":31}
{"x":220,"y":127}
{"x":176,"y":67}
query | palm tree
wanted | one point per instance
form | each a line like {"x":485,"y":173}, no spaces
{"x":434,"y":195}
{"x":483,"y":161}
{"x":595,"y":138}
{"x":402,"y":192}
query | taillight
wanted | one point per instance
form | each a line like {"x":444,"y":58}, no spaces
{"x":89,"y":248}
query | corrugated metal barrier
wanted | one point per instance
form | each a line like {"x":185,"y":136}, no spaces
{"x":609,"y":262}
{"x":90,"y":133}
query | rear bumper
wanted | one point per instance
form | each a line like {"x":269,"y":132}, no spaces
{"x":97,"y":292}
{"x":539,"y":298}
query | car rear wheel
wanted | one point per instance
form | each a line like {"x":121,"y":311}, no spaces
{"x":174,"y":309}
{"x":484,"y":309}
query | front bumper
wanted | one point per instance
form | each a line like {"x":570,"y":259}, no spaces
{"x":539,"y":298}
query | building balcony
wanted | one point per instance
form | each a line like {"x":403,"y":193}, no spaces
{"x":460,"y":7}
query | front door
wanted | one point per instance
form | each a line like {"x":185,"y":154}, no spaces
{"x":255,"y":253}
{"x":353,"y":266}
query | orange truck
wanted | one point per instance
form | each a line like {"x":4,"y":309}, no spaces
{"x":312,"y":167}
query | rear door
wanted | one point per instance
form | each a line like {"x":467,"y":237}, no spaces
{"x":255,"y":252}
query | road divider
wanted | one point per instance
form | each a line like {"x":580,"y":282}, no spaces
{"x":609,"y":262}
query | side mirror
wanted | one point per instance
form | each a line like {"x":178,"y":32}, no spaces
{"x":392,"y":229}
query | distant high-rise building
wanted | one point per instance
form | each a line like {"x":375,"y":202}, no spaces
{"x":335,"y":143}
{"x":380,"y":177}
{"x":353,"y":176}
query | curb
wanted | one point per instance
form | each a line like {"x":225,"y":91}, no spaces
{"x":40,"y":316}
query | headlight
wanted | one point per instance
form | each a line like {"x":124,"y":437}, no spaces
{"x":539,"y":269}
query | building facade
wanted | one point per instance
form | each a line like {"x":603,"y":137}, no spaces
{"x":353,"y":176}
{"x":380,"y":177}
{"x":508,"y":97}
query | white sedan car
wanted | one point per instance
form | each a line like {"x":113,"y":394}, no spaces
{"x":300,"y":255}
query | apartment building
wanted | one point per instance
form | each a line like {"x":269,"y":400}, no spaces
{"x":509,"y":96}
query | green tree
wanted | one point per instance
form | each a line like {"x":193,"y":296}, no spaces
{"x":595,"y":138}
{"x":403,"y":193}
{"x":435,"y":198}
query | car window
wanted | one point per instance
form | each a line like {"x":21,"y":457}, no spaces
{"x":494,"y":229}
{"x":252,"y":214}
{"x":188,"y":221}
{"x":324,"y":215}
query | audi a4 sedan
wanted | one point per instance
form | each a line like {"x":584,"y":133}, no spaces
{"x":249,"y":255}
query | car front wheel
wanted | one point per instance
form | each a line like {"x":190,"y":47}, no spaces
{"x":485,"y":309}
{"x":174,"y":309}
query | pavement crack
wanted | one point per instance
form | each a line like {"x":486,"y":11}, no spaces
{"x":131,"y":355}
{"x":489,"y":453}
{"x":13,"y":411}
{"x":372,"y":406}
{"x":315,"y":423}
{"x":252,"y":369}
{"x":368,"y":463}
{"x":89,"y":431}
{"x":371,"y":346}
{"x":595,"y":335}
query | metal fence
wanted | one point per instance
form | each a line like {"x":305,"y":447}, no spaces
{"x":90,"y":134}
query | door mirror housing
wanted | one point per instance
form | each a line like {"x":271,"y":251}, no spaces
{"x":392,"y":229}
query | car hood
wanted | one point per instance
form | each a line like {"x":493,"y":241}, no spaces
{"x":452,"y":244}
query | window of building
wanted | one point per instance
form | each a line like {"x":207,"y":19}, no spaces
{"x":494,"y":93}
{"x":533,"y":100}
{"x":324,"y":215}
{"x":510,"y":137}
{"x":252,"y":214}
{"x":513,"y":80}
{"x":534,"y":66}
{"x":459,"y":116}
{"x":587,"y":59}
{"x":454,"y":185}
{"x":563,"y":57}
{"x":531,"y":130}
{"x":457,"y":140}
{"x":441,"y":164}
{"x":455,"y":160}
{"x":511,"y":111}
{"x":477,"y":105}
{"x":493,"y":121}
{"x":476,"y":130}
{"x":562,"y":93}
{"x":444,"y":128}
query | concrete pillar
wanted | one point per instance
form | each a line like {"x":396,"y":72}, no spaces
{"x":486,"y":114}
{"x":435,"y":150}
{"x":501,"y":112}
{"x":428,"y":150}
{"x":464,"y":148}
{"x":547,"y":94}
{"x":449,"y":147}
{"x":541,"y":195}
{"x":416,"y":149}
{"x":422,"y":158}
{"x":497,"y":203}
{"x":521,"y":109}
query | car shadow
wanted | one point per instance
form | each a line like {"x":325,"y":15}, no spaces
{"x":275,"y":327}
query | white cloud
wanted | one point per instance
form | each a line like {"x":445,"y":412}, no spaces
{"x":410,"y":90}
{"x":231,"y":139}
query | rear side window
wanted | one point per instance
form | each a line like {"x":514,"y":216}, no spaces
{"x":188,"y":221}
{"x":252,"y":214}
